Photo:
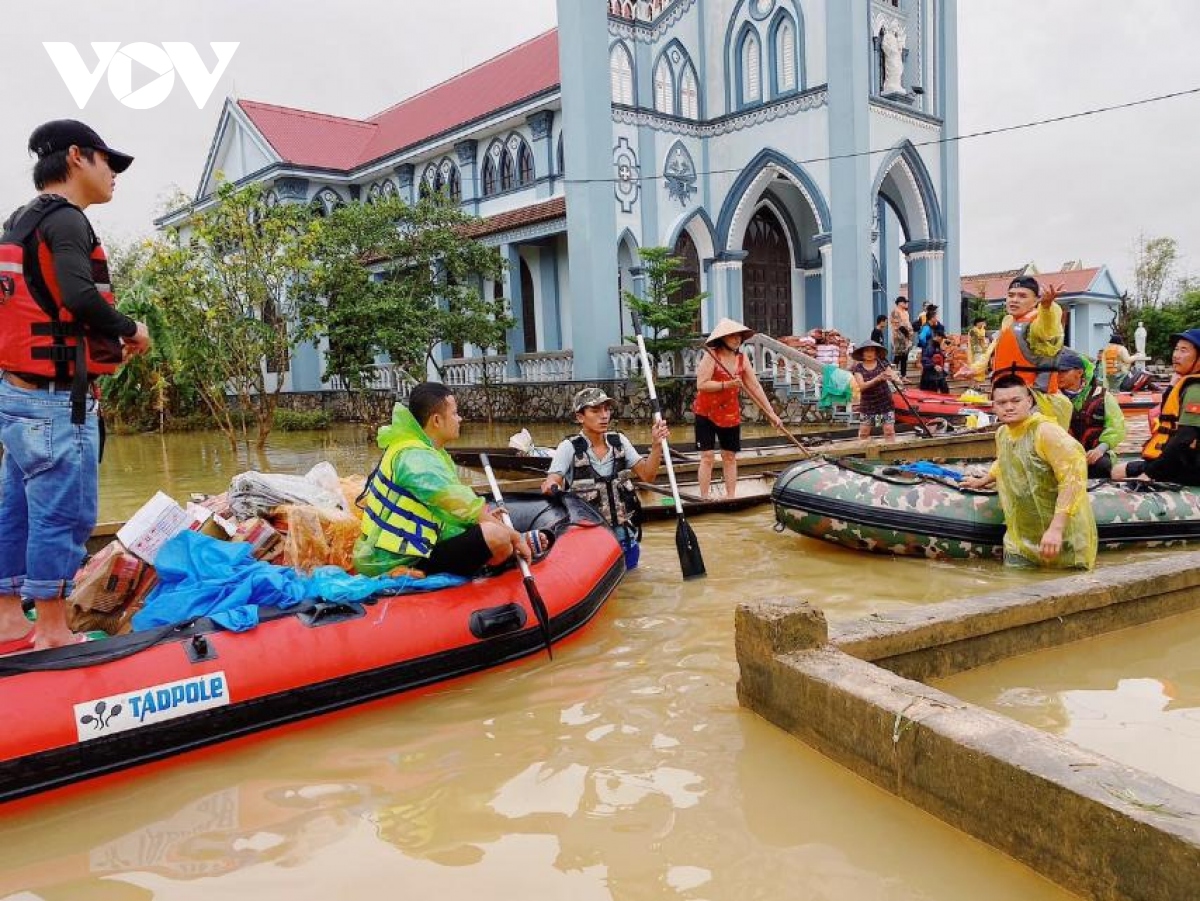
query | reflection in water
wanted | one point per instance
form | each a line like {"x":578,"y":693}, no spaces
{"x":1133,"y":695}
{"x":622,"y":769}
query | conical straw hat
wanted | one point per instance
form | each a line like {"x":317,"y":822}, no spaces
{"x":727,"y":327}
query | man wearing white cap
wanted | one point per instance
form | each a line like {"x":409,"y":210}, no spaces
{"x":720,"y":377}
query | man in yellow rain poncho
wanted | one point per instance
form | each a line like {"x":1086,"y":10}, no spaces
{"x":1041,"y":474}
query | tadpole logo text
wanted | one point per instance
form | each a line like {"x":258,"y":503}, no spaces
{"x":163,"y":61}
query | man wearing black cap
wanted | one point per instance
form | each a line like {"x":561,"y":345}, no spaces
{"x":59,"y":332}
{"x":1030,"y":337}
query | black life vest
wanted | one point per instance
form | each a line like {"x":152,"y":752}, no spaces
{"x":1089,"y":421}
{"x":613,"y":495}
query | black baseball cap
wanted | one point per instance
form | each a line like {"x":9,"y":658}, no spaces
{"x":62,"y":134}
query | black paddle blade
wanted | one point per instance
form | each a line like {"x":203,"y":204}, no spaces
{"x":540,"y":611}
{"x":690,"y":560}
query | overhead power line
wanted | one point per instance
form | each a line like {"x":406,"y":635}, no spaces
{"x":988,"y":132}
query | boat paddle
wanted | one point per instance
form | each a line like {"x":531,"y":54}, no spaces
{"x":913,"y":409}
{"x":531,"y":589}
{"x":690,"y":561}
{"x":796,"y":441}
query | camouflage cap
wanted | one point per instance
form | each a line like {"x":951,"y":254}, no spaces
{"x":592,"y":397}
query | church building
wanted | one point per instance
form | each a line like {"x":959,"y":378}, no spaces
{"x":791,"y":152}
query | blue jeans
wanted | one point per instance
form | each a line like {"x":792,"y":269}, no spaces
{"x":48,"y":491}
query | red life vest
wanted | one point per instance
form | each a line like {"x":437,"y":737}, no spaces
{"x":1014,"y":356}
{"x":38,"y":335}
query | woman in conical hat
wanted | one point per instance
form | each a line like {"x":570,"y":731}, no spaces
{"x":720,"y":378}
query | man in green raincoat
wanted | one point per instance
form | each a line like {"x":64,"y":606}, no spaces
{"x":1041,"y":475}
{"x":417,"y":513}
{"x":1096,"y":418}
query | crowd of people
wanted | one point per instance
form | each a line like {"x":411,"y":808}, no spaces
{"x":1060,"y":423}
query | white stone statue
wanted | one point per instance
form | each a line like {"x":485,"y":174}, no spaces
{"x":1139,"y":340}
{"x":892,"y":44}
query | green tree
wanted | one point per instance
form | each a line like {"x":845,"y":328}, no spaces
{"x":1154,"y":266}
{"x":221,"y":282}
{"x":395,"y":279}
{"x":665,"y":307}
{"x":1161,"y":322}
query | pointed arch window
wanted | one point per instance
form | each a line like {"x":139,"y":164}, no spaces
{"x":525,"y":173}
{"x":454,"y":185}
{"x":489,"y":177}
{"x":508,"y":171}
{"x":621,"y":69}
{"x":751,"y":60}
{"x":785,"y":56}
{"x":562,"y":159}
{"x":689,"y":94}
{"x":664,"y":87}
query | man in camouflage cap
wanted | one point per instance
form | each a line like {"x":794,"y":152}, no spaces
{"x":597,"y":465}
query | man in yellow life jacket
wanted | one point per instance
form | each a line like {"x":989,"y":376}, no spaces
{"x":1029,"y":339}
{"x":417,"y":513}
{"x":1173,"y":452}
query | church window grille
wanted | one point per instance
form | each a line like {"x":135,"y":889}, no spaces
{"x":689,"y":94}
{"x":785,"y":55}
{"x":664,"y":88}
{"x":621,"y":68}
{"x":751,"y":55}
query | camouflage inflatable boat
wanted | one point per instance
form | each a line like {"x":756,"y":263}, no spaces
{"x":888,"y":510}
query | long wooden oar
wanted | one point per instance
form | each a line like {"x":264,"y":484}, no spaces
{"x":688,"y":547}
{"x":913,"y":409}
{"x":796,"y":441}
{"x":531,"y":589}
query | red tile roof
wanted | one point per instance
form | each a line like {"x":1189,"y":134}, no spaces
{"x":993,"y":287}
{"x":555,"y":208}
{"x":314,"y":139}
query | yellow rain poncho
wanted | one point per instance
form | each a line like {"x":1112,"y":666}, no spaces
{"x":429,"y":473}
{"x":1041,"y":470}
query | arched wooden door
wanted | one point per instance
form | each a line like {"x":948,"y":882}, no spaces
{"x":688,"y":273}
{"x":767,"y":276}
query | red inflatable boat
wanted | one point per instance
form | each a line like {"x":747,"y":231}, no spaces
{"x":75,"y":713}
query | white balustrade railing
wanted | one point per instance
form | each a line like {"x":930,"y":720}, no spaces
{"x":462,"y":372}
{"x":548,"y":366}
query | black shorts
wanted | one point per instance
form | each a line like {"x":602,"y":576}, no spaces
{"x":462,"y":555}
{"x":1181,"y":474}
{"x":708,"y":433}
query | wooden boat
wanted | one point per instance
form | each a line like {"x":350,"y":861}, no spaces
{"x":753,"y":490}
{"x":75,"y":713}
{"x":880,"y":508}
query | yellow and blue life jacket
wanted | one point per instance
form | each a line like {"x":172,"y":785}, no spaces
{"x":394,"y":519}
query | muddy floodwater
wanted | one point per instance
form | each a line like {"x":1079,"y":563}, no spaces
{"x":622,"y":769}
{"x":1133,"y":695}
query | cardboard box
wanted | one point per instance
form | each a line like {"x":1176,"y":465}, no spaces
{"x":161,"y":519}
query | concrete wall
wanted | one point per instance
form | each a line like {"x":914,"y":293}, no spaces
{"x":1101,"y":829}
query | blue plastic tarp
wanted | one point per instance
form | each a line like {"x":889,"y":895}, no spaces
{"x":201,"y":576}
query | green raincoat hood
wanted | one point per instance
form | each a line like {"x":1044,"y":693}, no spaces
{"x":403,"y":426}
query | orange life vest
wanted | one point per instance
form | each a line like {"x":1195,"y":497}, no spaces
{"x":1015,"y":357}
{"x":38,"y":335}
{"x":1168,"y":417}
{"x":1112,"y":357}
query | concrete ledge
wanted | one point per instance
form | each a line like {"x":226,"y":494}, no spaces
{"x":1098,"y":828}
{"x":943,"y":639}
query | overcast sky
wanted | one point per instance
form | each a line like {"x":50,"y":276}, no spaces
{"x":1083,"y":189}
